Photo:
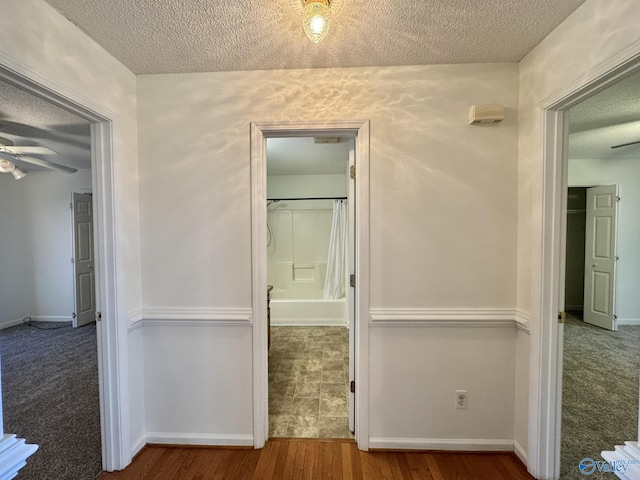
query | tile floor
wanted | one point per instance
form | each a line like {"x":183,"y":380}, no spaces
{"x":308,"y":378}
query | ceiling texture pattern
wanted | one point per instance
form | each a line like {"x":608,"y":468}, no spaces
{"x":169,"y":36}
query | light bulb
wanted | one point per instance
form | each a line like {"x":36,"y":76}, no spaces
{"x":315,"y":19}
{"x":6,"y":166}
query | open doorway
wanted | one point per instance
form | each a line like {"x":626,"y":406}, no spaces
{"x":600,"y":370}
{"x":359,"y":334}
{"x":49,"y":369}
{"x":309,"y":260}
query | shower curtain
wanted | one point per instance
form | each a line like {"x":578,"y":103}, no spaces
{"x":336,"y":263}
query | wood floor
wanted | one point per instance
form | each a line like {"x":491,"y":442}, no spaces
{"x":299,"y":459}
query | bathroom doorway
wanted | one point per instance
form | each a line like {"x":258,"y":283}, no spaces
{"x":309,"y":260}
{"x":358,"y":284}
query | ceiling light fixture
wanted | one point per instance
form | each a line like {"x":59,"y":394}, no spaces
{"x":7,"y":166}
{"x":316,"y":17}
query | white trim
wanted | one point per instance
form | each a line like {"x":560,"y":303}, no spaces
{"x":11,"y":323}
{"x":520,"y":452}
{"x":450,"y":444}
{"x":309,"y":322}
{"x":13,"y":455}
{"x":136,"y":324}
{"x":545,"y":380}
{"x":259,"y":132}
{"x":113,"y":358}
{"x":627,"y":321}
{"x":135,"y":320}
{"x":138,"y":445}
{"x":196,"y":315}
{"x":523,"y":321}
{"x":50,"y":318}
{"x":442,"y":317}
{"x":134,"y":315}
{"x":199,"y":439}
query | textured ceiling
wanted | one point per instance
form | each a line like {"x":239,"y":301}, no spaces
{"x":611,"y":117}
{"x":169,"y":36}
{"x":27,"y":120}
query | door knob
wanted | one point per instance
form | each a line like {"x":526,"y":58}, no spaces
{"x":594,"y":265}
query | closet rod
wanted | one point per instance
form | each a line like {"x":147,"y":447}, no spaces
{"x":305,"y":198}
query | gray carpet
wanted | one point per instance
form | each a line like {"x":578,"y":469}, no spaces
{"x":600,"y":393}
{"x":50,"y":397}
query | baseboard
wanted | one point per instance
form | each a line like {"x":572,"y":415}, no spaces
{"x":199,"y":439}
{"x":311,"y":322}
{"x":138,"y":445}
{"x":453,"y":444}
{"x":50,"y":318}
{"x":41,"y":318}
{"x":520,"y":453}
{"x":628,"y":321}
{"x":10,"y":323}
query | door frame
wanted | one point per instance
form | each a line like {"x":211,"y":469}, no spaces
{"x":547,"y":334}
{"x":112,"y":330}
{"x":260,"y":131}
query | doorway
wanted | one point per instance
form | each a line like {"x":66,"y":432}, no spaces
{"x":309,"y":261}
{"x":260,"y":133}
{"x":112,"y":358}
{"x":552,"y":333}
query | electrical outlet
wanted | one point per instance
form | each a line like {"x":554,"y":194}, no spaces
{"x":461,"y":398}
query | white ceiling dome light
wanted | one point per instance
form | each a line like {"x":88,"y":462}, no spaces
{"x":7,"y":166}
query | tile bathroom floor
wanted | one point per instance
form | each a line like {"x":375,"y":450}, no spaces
{"x":308,"y":378}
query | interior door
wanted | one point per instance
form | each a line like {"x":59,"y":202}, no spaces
{"x":83,"y":261}
{"x":352,"y":304}
{"x":600,"y":256}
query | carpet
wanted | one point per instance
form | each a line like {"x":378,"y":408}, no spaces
{"x":599,"y":393}
{"x":50,"y":397}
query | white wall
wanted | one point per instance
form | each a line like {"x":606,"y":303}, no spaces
{"x":300,"y":232}
{"x":624,"y":172}
{"x":38,"y":235}
{"x":588,"y":39}
{"x":36,"y":37}
{"x":443,"y":236}
{"x":49,"y":232}
{"x":300,"y":186}
{"x":16,"y":266}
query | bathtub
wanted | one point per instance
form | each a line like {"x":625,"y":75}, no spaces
{"x":307,"y":312}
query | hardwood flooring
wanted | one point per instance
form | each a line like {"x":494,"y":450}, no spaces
{"x":302,"y":459}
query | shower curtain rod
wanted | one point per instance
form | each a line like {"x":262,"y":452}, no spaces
{"x":306,"y":198}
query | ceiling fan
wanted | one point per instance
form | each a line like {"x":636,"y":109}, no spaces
{"x":626,"y":144}
{"x":11,"y":153}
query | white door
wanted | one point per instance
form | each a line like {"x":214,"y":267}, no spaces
{"x":600,"y":256}
{"x":83,"y":261}
{"x":351,"y":295}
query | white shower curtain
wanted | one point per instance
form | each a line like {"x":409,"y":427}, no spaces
{"x":336,"y":263}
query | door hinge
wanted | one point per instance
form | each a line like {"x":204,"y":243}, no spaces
{"x":352,"y":171}
{"x":352,"y":386}
{"x":352,"y":281}
{"x":562,"y":317}
{"x":98,"y":316}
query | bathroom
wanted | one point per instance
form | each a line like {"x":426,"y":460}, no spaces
{"x":308,"y":264}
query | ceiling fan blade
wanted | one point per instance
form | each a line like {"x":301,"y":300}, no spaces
{"x":5,"y":142}
{"x":30,"y":150}
{"x":626,"y":144}
{"x":45,"y":164}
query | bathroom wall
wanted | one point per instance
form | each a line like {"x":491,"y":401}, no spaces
{"x":299,"y":247}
